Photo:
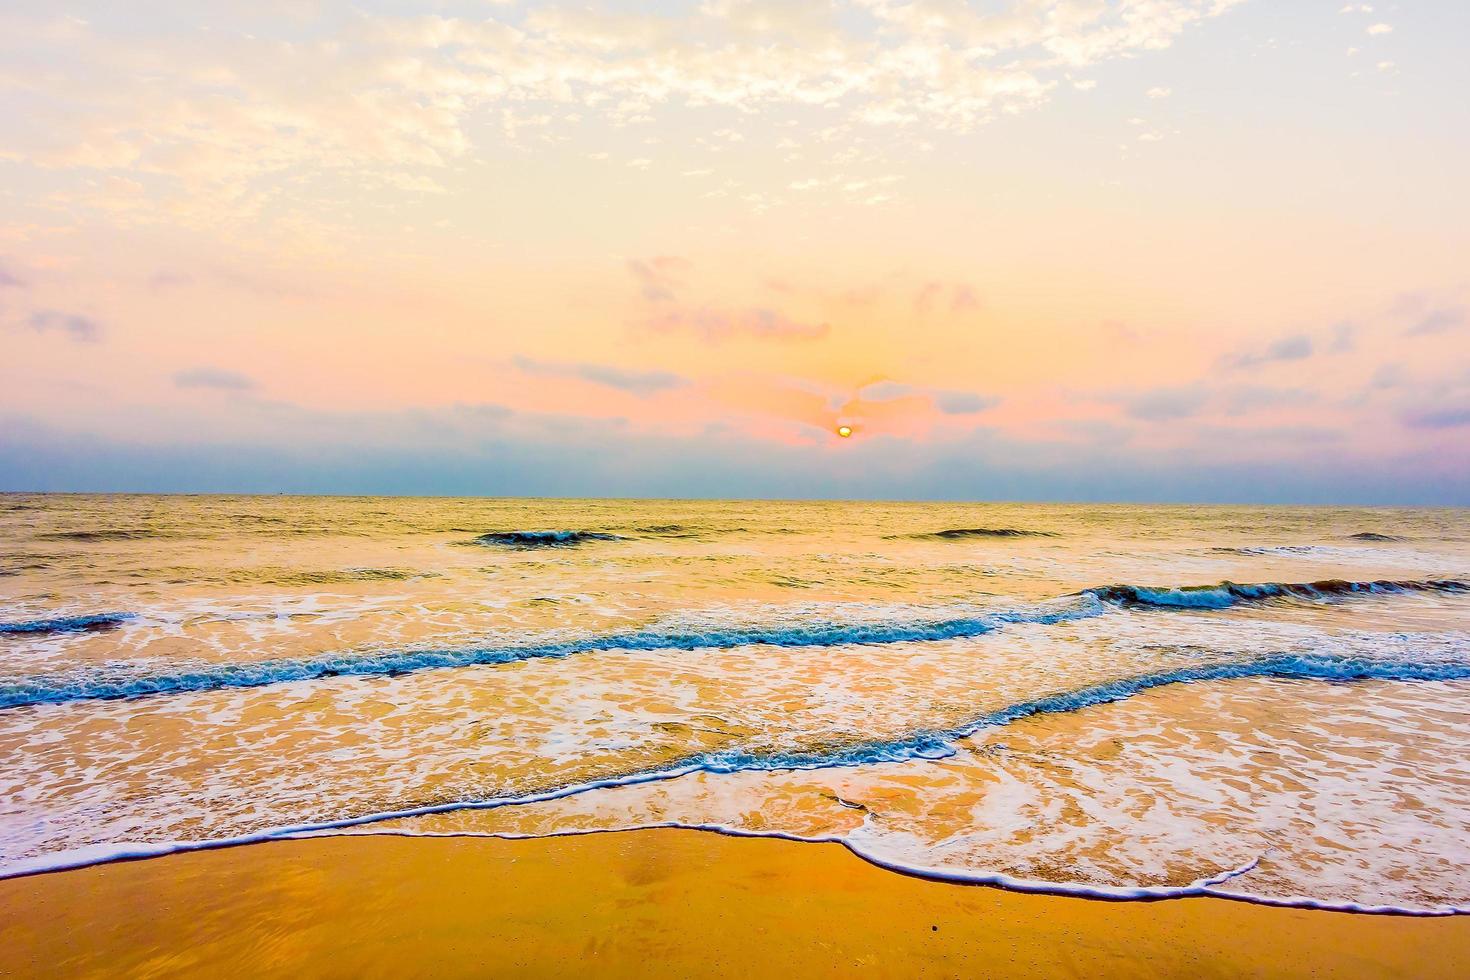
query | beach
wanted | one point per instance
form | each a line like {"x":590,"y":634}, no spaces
{"x":360,"y":736}
{"x":666,"y":903}
{"x":734,"y":488}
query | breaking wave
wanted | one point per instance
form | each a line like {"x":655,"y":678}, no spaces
{"x":1228,"y":594}
{"x":122,"y":682}
{"x":127,"y":682}
{"x":926,"y":745}
{"x":67,"y":624}
{"x":938,"y":745}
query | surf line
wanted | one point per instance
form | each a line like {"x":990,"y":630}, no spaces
{"x":928,"y":746}
{"x":1089,"y":603}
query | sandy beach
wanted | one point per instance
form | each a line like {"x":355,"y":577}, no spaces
{"x":734,"y":488}
{"x":666,"y":903}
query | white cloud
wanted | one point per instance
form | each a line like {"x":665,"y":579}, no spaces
{"x":230,"y":120}
{"x":1381,"y":29}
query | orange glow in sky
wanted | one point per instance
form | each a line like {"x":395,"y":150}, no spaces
{"x":571,"y":248}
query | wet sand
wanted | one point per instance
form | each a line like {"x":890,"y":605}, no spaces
{"x":665,"y":903}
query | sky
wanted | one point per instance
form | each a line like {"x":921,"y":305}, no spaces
{"x":1153,"y":250}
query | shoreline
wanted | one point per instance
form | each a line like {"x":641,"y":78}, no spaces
{"x":101,"y":856}
{"x":652,"y":902}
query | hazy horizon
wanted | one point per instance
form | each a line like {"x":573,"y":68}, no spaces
{"x":630,"y":498}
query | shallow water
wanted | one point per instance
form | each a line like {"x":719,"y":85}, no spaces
{"x":1033,"y":695}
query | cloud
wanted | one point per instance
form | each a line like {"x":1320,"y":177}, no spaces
{"x":1388,"y":376}
{"x":1437,"y":321}
{"x":447,"y":452}
{"x":946,"y":401}
{"x":962,"y":402}
{"x":168,"y":279}
{"x":641,"y":383}
{"x":7,"y":280}
{"x":1283,"y":434}
{"x":1380,"y":29}
{"x":719,"y":325}
{"x":82,"y":329}
{"x":1246,"y":399}
{"x":659,"y":281}
{"x":1438,"y":418}
{"x":1172,"y":403}
{"x":883,"y":391}
{"x":484,"y":411}
{"x":216,"y":378}
{"x":382,"y":96}
{"x":1293,"y":348}
{"x":956,"y":297}
{"x":1165,"y":404}
{"x":658,"y":277}
{"x":262,"y":284}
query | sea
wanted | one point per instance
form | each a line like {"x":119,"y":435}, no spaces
{"x":1267,"y":704}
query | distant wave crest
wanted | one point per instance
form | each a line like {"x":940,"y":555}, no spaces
{"x":961,"y":533}
{"x":103,"y":534}
{"x":544,"y":539}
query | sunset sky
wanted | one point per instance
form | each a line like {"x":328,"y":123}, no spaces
{"x":1026,"y":249}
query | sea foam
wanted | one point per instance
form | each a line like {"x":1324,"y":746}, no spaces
{"x":126,"y":681}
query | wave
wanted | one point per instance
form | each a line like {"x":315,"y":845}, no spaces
{"x":1375,"y":536}
{"x":1228,"y":594}
{"x":341,"y":576}
{"x":961,"y":533}
{"x":102,"y":534}
{"x":129,"y":682}
{"x":938,"y":745}
{"x":544,"y":539}
{"x":68,"y":624}
{"x":932,"y":745}
{"x":122,"y":682}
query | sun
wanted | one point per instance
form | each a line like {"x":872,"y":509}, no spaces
{"x":844,"y":431}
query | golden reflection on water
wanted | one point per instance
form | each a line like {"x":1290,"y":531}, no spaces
{"x":1348,"y":792}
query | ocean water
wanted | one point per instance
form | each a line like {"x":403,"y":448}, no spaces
{"x":1271,"y":704}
